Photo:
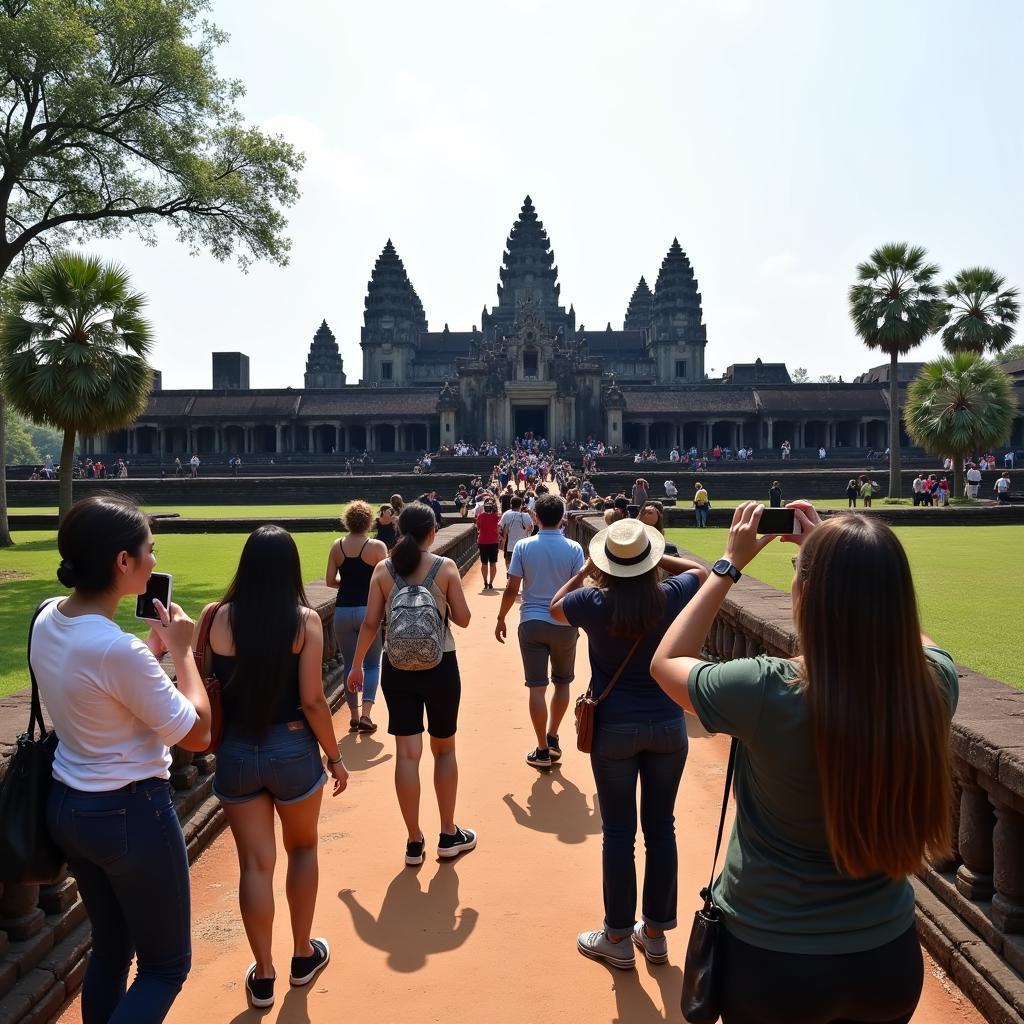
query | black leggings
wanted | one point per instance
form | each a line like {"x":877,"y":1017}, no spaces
{"x":879,"y":986}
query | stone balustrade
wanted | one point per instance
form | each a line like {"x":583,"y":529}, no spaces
{"x":44,"y":931}
{"x":970,"y":909}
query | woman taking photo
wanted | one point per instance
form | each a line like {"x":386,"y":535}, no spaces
{"x":385,"y":531}
{"x":408,"y":693}
{"x":267,"y":649}
{"x":117,"y":713}
{"x":638,"y":732}
{"x":349,"y":568}
{"x":843,"y":778}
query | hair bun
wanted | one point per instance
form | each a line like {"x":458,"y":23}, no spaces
{"x":66,"y":573}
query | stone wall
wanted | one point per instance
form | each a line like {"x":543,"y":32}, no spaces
{"x":44,"y":931}
{"x":970,"y":909}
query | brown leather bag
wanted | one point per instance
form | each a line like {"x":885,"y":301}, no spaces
{"x":586,"y":705}
{"x":204,"y":663}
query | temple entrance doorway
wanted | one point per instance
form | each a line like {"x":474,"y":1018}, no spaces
{"x":532,"y":420}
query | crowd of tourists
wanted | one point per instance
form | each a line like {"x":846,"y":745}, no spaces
{"x":838,"y":799}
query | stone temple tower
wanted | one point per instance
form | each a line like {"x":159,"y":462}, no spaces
{"x":323,"y":364}
{"x":677,"y":337}
{"x":641,"y":308}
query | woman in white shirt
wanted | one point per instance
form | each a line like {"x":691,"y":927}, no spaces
{"x":116,"y":713}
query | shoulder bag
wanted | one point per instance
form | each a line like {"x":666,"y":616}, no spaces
{"x":701,"y":998}
{"x":586,"y":705}
{"x":27,"y":850}
{"x":204,"y":663}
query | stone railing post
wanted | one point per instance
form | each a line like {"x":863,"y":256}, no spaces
{"x":1008,"y":866}
{"x":977,"y":820}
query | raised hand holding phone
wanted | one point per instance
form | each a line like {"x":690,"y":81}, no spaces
{"x":175,"y":630}
{"x":806,"y":517}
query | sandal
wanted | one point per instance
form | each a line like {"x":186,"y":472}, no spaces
{"x":365,"y":725}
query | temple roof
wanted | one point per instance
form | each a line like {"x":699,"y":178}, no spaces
{"x":641,"y":307}
{"x":355,"y":400}
{"x":527,"y":262}
{"x":823,"y":399}
{"x":614,"y":342}
{"x":324,"y":356}
{"x":697,"y":400}
{"x":390,"y":292}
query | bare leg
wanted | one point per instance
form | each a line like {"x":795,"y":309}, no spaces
{"x":539,"y":714}
{"x":252,"y":825}
{"x":409,"y":750}
{"x":446,"y":780}
{"x":298,"y":825}
{"x":368,"y":708}
{"x":559,"y":705}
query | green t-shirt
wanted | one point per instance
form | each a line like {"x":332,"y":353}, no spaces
{"x":866,"y":491}
{"x":779,"y":888}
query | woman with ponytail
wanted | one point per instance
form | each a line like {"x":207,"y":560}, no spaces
{"x":409,"y":693}
{"x":843,"y":776}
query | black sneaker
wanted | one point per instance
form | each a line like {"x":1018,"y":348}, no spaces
{"x":261,"y":990}
{"x":554,"y":749}
{"x":462,"y":841}
{"x":305,"y":968}
{"x":539,"y":758}
{"x":414,"y":852}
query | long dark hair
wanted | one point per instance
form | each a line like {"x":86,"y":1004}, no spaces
{"x":635,"y":603}
{"x":265,"y":597}
{"x":94,"y":532}
{"x":879,"y":718}
{"x":414,"y":525}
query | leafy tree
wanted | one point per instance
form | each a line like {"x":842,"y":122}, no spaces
{"x":829,"y":378}
{"x":18,"y":447}
{"x":112,"y":118}
{"x":894,"y":307}
{"x":73,"y":351}
{"x":44,"y":439}
{"x":980,"y":314}
{"x":1014,"y":352}
{"x":957,"y":405}
{"x":800,"y":375}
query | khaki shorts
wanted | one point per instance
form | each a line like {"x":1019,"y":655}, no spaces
{"x":541,"y":642}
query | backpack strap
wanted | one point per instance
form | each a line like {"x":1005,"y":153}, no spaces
{"x":434,"y":570}
{"x":398,"y":581}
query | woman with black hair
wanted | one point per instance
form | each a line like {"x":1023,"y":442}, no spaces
{"x":117,"y":713}
{"x":267,"y":646}
{"x":409,"y":693}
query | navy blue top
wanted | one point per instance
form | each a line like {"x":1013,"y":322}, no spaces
{"x":636,"y":697}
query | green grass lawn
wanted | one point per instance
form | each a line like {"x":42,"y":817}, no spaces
{"x":202,"y":566}
{"x":218,"y":511}
{"x":969,"y":579}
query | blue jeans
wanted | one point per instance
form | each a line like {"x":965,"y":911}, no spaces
{"x":126,"y":850}
{"x":654,"y":753}
{"x":347,"y":623}
{"x":703,"y":514}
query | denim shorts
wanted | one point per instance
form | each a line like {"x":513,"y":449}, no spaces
{"x":285,"y":764}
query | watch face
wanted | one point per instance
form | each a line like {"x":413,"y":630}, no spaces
{"x":722,"y":567}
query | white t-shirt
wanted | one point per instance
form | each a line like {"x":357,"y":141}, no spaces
{"x":974,"y":476}
{"x":114,"y":708}
{"x":1002,"y":485}
{"x":519,"y":525}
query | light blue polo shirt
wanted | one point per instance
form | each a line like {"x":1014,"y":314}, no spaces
{"x":545,"y":562}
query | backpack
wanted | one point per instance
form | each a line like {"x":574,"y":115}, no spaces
{"x":416,"y":631}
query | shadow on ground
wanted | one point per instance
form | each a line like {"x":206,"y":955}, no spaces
{"x":559,"y":807}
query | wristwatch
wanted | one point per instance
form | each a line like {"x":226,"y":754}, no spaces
{"x":723,"y":567}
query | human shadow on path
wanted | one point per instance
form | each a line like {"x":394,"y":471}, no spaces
{"x":362,"y":751}
{"x":294,"y":1008}
{"x":413,"y":924}
{"x":633,"y":1002}
{"x":556,"y":805}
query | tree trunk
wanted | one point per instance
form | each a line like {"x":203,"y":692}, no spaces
{"x":958,"y":475}
{"x":895,"y":483}
{"x":67,"y":473}
{"x":5,"y":533}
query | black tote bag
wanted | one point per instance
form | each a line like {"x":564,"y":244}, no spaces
{"x":27,"y":851}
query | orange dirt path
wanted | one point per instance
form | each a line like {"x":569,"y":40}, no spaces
{"x":491,"y":937}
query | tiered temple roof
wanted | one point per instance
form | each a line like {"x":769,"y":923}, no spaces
{"x":676,"y":292}
{"x":390,"y":292}
{"x":641,"y":308}
{"x":323,"y":364}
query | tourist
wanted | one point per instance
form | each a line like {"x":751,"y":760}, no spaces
{"x":178,"y":468}
{"x":822,"y":454}
{"x":866,"y":491}
{"x":653,"y":514}
{"x":671,"y":491}
{"x":786,"y":451}
{"x":513,"y":526}
{"x":435,"y":504}
{"x":918,"y":488}
{"x":639,"y":492}
{"x":973,"y":480}
{"x":639,"y":734}
{"x":942,"y":492}
{"x":408,"y":693}
{"x":349,"y":568}
{"x":844,"y":780}
{"x":487,"y":520}
{"x":194,"y":463}
{"x":117,"y":713}
{"x":396,"y":502}
{"x":385,"y":530}
{"x":775,"y":495}
{"x":701,"y":504}
{"x":1008,"y":460}
{"x":462,"y":502}
{"x":540,"y":565}
{"x":1002,"y":489}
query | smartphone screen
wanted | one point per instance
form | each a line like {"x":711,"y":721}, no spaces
{"x":158,"y":587}
{"x":778,"y":520}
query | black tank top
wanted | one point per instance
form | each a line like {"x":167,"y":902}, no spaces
{"x":354,"y":580}
{"x":289,"y":704}
{"x":387,"y":533}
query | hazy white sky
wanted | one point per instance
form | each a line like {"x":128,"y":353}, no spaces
{"x":780,"y":141}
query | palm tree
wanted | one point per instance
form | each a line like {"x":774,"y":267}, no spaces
{"x":960,"y":404}
{"x":979,"y":314}
{"x":72,"y":351}
{"x":894,"y":307}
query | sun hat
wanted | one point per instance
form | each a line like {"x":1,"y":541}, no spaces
{"x":627,"y":548}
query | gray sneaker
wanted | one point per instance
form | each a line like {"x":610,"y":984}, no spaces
{"x":656,"y":950}
{"x":598,"y":946}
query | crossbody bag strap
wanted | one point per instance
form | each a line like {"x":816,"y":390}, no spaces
{"x":618,"y":672}
{"x":203,"y":639}
{"x":36,"y":712}
{"x":708,"y":899}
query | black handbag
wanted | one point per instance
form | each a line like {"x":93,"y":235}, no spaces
{"x":27,"y":851}
{"x":701,"y":998}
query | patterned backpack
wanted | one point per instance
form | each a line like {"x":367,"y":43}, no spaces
{"x":415,"y":631}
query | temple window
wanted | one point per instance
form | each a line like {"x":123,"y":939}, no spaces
{"x":386,"y":372}
{"x":530,"y":363}
{"x":680,"y":369}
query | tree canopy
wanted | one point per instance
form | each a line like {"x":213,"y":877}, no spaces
{"x":979,"y":313}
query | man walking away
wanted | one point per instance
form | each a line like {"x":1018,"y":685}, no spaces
{"x":1002,"y":489}
{"x":514,"y":525}
{"x":541,"y":565}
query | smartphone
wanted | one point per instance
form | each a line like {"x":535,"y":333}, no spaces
{"x":778,"y":520}
{"x":158,"y":588}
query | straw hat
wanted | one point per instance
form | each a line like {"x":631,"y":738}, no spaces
{"x":627,"y":548}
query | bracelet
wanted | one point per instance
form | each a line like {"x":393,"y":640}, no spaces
{"x":335,"y":761}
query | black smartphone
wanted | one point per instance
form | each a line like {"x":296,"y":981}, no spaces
{"x":778,"y":520}
{"x":158,"y":588}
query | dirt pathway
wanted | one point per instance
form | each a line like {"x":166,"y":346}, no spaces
{"x":490,"y":938}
